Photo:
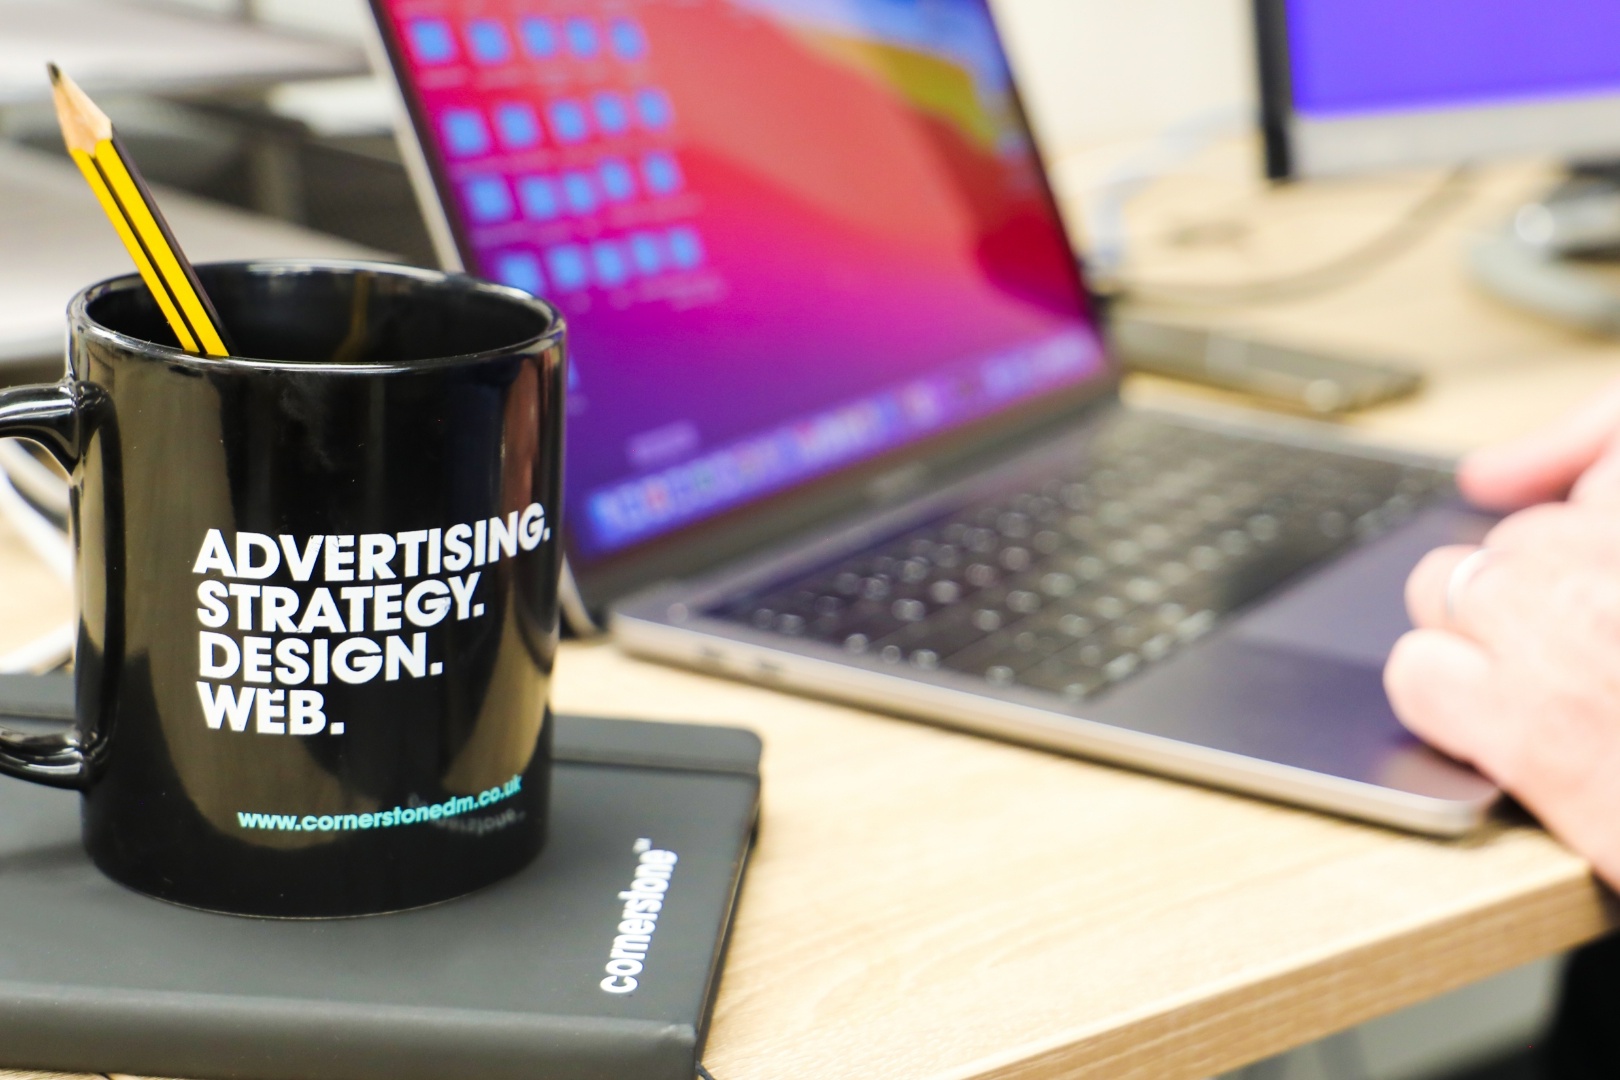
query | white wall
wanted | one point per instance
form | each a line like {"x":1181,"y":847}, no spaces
{"x":339,"y":17}
{"x":1099,"y":70}
{"x":325,"y":16}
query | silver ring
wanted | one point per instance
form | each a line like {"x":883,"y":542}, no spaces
{"x":1461,"y":574}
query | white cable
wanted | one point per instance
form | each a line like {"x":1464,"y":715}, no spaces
{"x":44,"y":653}
{"x":53,"y":549}
{"x":1106,"y":239}
{"x":41,"y":486}
{"x":36,"y":530}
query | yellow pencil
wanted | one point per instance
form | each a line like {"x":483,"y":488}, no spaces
{"x":112,"y":176}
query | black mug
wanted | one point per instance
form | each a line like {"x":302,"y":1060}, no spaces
{"x":317,"y":586}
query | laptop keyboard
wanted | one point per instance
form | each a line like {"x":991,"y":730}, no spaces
{"x":1087,"y":575}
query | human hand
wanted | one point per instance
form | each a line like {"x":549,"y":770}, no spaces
{"x":1581,"y":451}
{"x":1518,"y":671}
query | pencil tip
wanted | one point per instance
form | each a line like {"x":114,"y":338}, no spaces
{"x":56,"y":73}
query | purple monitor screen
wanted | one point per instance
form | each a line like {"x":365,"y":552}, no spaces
{"x":1368,"y":56}
{"x":789,"y":236}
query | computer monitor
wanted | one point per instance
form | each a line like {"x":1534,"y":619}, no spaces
{"x":1354,"y":85}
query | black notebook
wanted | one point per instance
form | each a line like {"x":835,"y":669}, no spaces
{"x":519,"y":980}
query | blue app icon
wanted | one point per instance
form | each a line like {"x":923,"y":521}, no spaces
{"x":654,"y":108}
{"x":519,"y":127}
{"x":568,"y":121}
{"x":488,"y":199}
{"x":567,"y":266}
{"x":465,"y":133}
{"x":611,"y":114}
{"x":431,"y":41}
{"x":646,"y":252}
{"x":618,"y":183}
{"x":661,"y":172}
{"x":685,"y":247}
{"x":611,"y":268}
{"x":521,"y":270}
{"x":581,"y":37}
{"x":578,"y":192}
{"x":538,"y":197}
{"x":487,"y":41}
{"x":539,"y":37}
{"x":629,"y":42}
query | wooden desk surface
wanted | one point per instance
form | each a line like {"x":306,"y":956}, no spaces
{"x":932,"y":906}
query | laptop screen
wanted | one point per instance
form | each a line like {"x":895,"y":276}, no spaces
{"x":789,"y":236}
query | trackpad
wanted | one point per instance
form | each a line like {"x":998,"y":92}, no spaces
{"x":1311,"y":712}
{"x":1354,"y":608}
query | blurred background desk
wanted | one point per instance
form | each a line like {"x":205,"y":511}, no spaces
{"x":925,"y":905}
{"x":1492,"y":369}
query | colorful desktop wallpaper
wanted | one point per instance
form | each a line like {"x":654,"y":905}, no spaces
{"x":788,"y":235}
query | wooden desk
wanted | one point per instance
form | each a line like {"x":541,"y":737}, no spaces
{"x":931,"y":906}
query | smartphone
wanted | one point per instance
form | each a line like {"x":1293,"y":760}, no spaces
{"x":1296,"y":378}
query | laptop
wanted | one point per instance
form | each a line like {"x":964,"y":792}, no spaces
{"x":843,"y":421}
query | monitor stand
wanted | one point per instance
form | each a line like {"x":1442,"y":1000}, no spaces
{"x":1550,"y":256}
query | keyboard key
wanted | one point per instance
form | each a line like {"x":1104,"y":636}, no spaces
{"x":1061,"y":677}
{"x":909,"y":610}
{"x":946,"y":633}
{"x":1001,"y":649}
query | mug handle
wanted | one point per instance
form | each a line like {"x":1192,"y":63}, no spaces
{"x":49,"y":416}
